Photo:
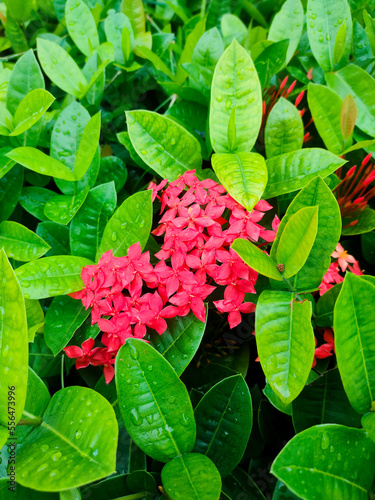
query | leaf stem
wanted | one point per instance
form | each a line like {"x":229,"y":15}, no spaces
{"x":33,"y":422}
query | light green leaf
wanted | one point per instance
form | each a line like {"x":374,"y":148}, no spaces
{"x":154,"y":403}
{"x":244,"y":176}
{"x":35,"y":318}
{"x":340,"y":42}
{"x":191,"y":476}
{"x":62,"y":209}
{"x":256,"y":258}
{"x":235,"y":83}
{"x":30,"y":110}
{"x":316,"y":464}
{"x":20,"y":243}
{"x":284,"y":129}
{"x":166,"y":147}
{"x":87,"y":146}
{"x":131,"y":223}
{"x":292,"y":171}
{"x":270,"y":61}
{"x":6,"y":120}
{"x":77,"y":15}
{"x":354,"y":323}
{"x":348,"y":116}
{"x":133,"y":9}
{"x":285,"y":341}
{"x":114,"y":27}
{"x":86,"y":442}
{"x":232,"y":27}
{"x":297,"y":239}
{"x":51,"y":276}
{"x":187,"y":52}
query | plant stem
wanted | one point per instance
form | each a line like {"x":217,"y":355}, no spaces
{"x":33,"y":422}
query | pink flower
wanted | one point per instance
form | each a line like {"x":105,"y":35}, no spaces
{"x":83,"y":354}
{"x":343,"y":258}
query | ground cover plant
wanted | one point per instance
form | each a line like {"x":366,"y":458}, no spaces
{"x":187,"y":249}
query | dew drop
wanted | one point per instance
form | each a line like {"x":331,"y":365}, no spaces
{"x":133,"y":352}
{"x":135,"y":417}
{"x":325,"y":441}
{"x":44,"y":448}
{"x":114,"y":236}
{"x":78,"y":434}
{"x":56,"y":456}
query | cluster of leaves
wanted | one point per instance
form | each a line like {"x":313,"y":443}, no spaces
{"x":264,"y":100}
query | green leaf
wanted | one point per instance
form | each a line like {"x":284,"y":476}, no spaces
{"x":297,"y":239}
{"x":354,"y":323}
{"x":370,"y":29}
{"x":284,"y":129}
{"x":33,"y":200}
{"x":89,"y":445}
{"x":15,"y":35}
{"x":219,"y":436}
{"x":187,"y":52}
{"x":39,"y":162}
{"x":324,"y":20}
{"x":360,"y":85}
{"x":340,"y":42}
{"x":208,"y":49}
{"x":64,"y":316}
{"x":87,"y":146}
{"x":77,"y":14}
{"x":256,"y":258}
{"x":232,"y":27}
{"x":154,"y":403}
{"x":35,"y":318}
{"x":235,"y":83}
{"x":324,"y":402}
{"x":134,"y":11}
{"x":270,"y":61}
{"x":51,"y":276}
{"x":288,"y":23}
{"x":131,"y":223}
{"x":90,"y":71}
{"x":325,"y":106}
{"x":13,"y":345}
{"x":91,"y":220}
{"x":285,"y":341}
{"x":114,"y":25}
{"x":292,"y":171}
{"x":315,"y":463}
{"x":62,"y":209}
{"x":30,"y":110}
{"x":348,"y":116}
{"x":276,"y":401}
{"x":366,"y":222}
{"x":368,"y":423}
{"x":180,"y":341}
{"x":112,"y":168}
{"x":60,"y":67}
{"x":20,"y":243}
{"x":10,"y":189}
{"x":166,"y":147}
{"x":56,"y":235}
{"x":240,"y":485}
{"x":244,"y":176}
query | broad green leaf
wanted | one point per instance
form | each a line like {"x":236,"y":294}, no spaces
{"x":285,"y":341}
{"x":256,"y":258}
{"x":220,"y":436}
{"x":348,"y":116}
{"x":191,"y":476}
{"x":324,"y":402}
{"x":15,"y":35}
{"x":360,"y":85}
{"x":316,"y":463}
{"x":180,"y":341}
{"x":39,"y":162}
{"x":90,"y":70}
{"x":154,"y":403}
{"x":35,"y":318}
{"x":340,"y":42}
{"x":20,"y":10}
{"x":10,"y":189}
{"x":325,"y":106}
{"x":64,"y":316}
{"x":13,"y":346}
{"x":26,"y":76}
{"x":324,"y":19}
{"x":159,"y":64}
{"x":276,"y":401}
{"x":60,"y":67}
{"x":292,"y":171}
{"x":5,"y":163}
{"x":297,"y":239}
{"x":362,"y":52}
{"x":366,"y":222}
{"x":235,"y":83}
{"x":77,"y":15}
{"x":354,"y":323}
{"x":6,"y":121}
{"x":208,"y":49}
{"x":62,"y":209}
{"x":91,"y":220}
{"x":112,"y":168}
{"x":370,"y":29}
{"x":316,"y":193}
{"x":284,"y":129}
{"x":244,"y":176}
{"x":166,"y":147}
{"x":270,"y":61}
{"x":78,"y":424}
{"x":368,"y":423}
{"x":187,"y":52}
{"x":131,"y":223}
{"x":20,"y":243}
{"x":288,"y":23}
{"x":134,"y":11}
{"x":240,"y":485}
{"x":30,"y":110}
{"x":87,"y":146}
{"x":281,"y":492}
{"x":232,"y":27}
{"x":33,"y":200}
{"x":114,"y":26}
{"x":56,"y":235}
{"x":51,"y":276}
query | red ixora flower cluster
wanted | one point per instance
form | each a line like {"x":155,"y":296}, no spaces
{"x":128,"y":294}
{"x":344,"y":262}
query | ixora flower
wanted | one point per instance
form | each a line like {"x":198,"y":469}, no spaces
{"x":344,"y":263}
{"x":129,"y":296}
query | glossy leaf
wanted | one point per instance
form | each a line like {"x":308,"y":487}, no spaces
{"x":270,"y":61}
{"x":10,"y":190}
{"x":191,"y":476}
{"x":235,"y":83}
{"x":368,"y":423}
{"x":284,"y":129}
{"x":35,"y":318}
{"x":20,"y":243}
{"x":77,"y":14}
{"x":285,"y":342}
{"x":354,"y":323}
{"x":87,"y":442}
{"x":33,"y":200}
{"x":114,"y":26}
{"x":157,"y":411}
{"x":166,"y":147}
{"x":131,"y":223}
{"x":56,"y":235}
{"x":180,"y":341}
{"x":64,"y":316}
{"x":340,"y":42}
{"x":292,"y":171}
{"x":187,"y":52}
{"x":62,"y":209}
{"x":222,"y":434}
{"x":113,"y":169}
{"x":133,"y":9}
{"x":256,"y":259}
{"x":51,"y":276}
{"x":244,"y":176}
{"x":87,"y":146}
{"x":323,"y":467}
{"x":30,"y":110}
